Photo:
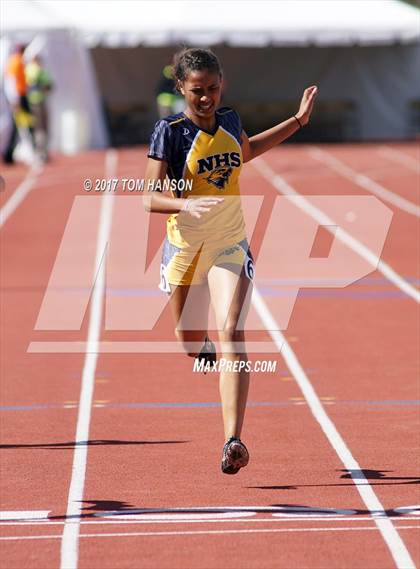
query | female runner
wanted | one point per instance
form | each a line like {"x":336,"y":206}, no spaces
{"x":206,"y":255}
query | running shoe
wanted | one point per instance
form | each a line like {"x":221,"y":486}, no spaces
{"x":235,"y":456}
{"x":207,"y":353}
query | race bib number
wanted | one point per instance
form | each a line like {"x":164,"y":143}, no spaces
{"x":164,"y":285}
{"x":249,"y":268}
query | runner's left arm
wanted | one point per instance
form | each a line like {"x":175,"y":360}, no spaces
{"x":260,"y":143}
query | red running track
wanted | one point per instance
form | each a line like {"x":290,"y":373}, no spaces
{"x":153,"y":495}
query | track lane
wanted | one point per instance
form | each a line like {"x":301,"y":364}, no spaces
{"x":39,"y":391}
{"x":381,"y":352}
{"x":367,"y":161}
{"x":11,"y":176}
{"x":402,"y":245}
{"x":411,"y":149}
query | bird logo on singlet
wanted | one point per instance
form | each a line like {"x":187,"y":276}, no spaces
{"x":220,"y":176}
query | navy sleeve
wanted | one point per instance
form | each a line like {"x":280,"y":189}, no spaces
{"x":239,"y":127}
{"x":232,"y":122}
{"x":161,"y":142}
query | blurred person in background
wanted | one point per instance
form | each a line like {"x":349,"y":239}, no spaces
{"x":39,"y":84}
{"x":15,"y":87}
{"x":167,"y":98}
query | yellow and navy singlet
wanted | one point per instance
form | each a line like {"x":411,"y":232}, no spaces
{"x":213,"y":162}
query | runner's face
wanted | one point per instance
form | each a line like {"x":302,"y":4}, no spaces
{"x":202,"y":91}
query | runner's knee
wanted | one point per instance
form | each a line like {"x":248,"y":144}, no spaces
{"x":232,"y":339}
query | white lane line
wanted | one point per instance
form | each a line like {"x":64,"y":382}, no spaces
{"x":389,"y":533}
{"x":120,"y":347}
{"x":399,"y":157}
{"x":24,"y":515}
{"x":283,"y":518}
{"x":363,"y":181}
{"x":199,"y":532}
{"x":286,"y":189}
{"x":70,"y":537}
{"x":20,"y":193}
{"x":294,"y":519}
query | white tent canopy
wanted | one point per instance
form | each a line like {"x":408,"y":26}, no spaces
{"x":364,"y":51}
{"x":235,"y":22}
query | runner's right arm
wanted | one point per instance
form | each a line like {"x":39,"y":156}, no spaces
{"x":154,"y":201}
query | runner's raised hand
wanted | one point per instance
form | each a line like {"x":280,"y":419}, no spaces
{"x":306,"y":104}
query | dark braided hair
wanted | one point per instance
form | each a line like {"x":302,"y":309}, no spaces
{"x":194,"y":59}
